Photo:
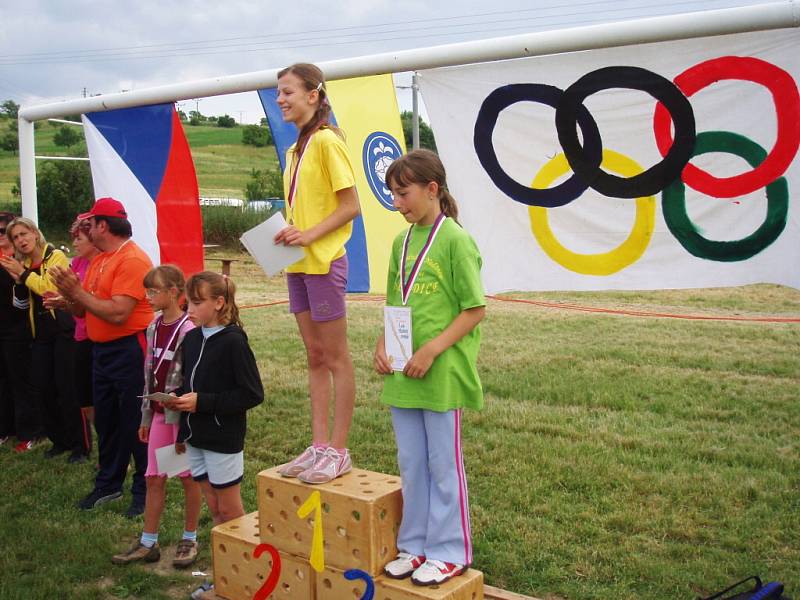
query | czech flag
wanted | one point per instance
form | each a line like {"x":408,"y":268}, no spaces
{"x":140,"y":156}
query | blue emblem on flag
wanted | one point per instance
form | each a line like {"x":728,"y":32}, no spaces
{"x":380,"y":150}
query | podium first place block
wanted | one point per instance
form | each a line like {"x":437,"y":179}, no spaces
{"x":238,"y":575}
{"x":360,"y":511}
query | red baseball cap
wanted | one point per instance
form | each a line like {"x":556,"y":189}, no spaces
{"x":105,"y":207}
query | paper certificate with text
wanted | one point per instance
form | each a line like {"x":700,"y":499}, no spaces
{"x":397,"y":335}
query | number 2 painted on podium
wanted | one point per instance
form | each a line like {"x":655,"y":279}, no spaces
{"x":269,"y":585}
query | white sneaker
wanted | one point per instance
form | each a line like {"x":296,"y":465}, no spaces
{"x":329,"y":465}
{"x":305,"y":461}
{"x":435,"y":571}
{"x":403,"y":566}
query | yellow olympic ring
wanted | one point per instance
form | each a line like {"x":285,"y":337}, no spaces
{"x":604,"y":263}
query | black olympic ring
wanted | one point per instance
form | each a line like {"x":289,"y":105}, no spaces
{"x":654,"y":179}
{"x":490,"y":110}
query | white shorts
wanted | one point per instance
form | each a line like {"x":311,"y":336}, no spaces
{"x":221,"y":470}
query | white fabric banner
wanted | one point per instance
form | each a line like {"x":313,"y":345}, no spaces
{"x":720,"y":209}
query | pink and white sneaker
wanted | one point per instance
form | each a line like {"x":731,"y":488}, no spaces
{"x":434,"y":572}
{"x":403,"y":566}
{"x":329,"y":465}
{"x":303,"y":462}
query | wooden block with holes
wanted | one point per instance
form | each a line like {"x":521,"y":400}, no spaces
{"x":468,"y":586}
{"x":237,"y":575}
{"x":332,"y":585}
{"x":361,"y":514}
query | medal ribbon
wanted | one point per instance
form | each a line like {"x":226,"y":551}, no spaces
{"x":293,"y":182}
{"x":408,"y":284}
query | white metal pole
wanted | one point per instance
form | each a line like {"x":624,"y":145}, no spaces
{"x":654,"y":29}
{"x":415,"y":111}
{"x":27,"y":169}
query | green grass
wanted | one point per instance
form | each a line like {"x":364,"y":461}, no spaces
{"x":616,"y":456}
{"x":222,"y":162}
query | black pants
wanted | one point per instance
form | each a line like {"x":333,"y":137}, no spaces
{"x":82,"y":384}
{"x":19,"y":414}
{"x":118,"y":383}
{"x":51,"y":379}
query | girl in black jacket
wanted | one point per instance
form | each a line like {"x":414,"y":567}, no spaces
{"x":220,"y":383}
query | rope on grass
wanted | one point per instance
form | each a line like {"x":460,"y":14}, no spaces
{"x":581,"y":308}
{"x":642,"y":313}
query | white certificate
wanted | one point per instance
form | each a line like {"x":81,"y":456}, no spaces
{"x":170,"y":462}
{"x":271,"y":257}
{"x":397,"y":335}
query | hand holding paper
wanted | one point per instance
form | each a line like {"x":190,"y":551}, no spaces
{"x":259,"y":242}
{"x":397,"y":335}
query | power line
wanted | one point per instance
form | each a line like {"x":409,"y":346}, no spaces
{"x":178,"y":45}
{"x":90,"y":56}
{"x":321,"y":41}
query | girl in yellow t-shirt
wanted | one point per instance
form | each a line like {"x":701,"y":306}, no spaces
{"x":321,"y":203}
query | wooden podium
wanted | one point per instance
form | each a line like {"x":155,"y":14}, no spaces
{"x":359,"y":515}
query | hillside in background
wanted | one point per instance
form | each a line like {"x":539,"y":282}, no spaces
{"x":222,"y":162}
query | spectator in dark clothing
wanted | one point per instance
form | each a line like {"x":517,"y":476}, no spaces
{"x":18,"y":415}
{"x":52,"y":330}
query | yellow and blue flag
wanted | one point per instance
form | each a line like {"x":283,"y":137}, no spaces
{"x":365,"y":108}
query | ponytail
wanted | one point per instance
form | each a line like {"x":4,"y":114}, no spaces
{"x":422,"y":167}
{"x":313,"y":79}
{"x":206,"y":284}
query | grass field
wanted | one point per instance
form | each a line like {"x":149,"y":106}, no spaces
{"x":222,"y":162}
{"x":617,"y":457}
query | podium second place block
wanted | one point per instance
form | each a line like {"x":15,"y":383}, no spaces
{"x":238,"y":575}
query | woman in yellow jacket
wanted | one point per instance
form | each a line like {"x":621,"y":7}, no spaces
{"x":52,"y":330}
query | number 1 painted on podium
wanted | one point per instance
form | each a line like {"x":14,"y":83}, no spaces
{"x":317,"y":557}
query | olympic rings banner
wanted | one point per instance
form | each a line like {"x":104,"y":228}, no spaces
{"x":665,"y":165}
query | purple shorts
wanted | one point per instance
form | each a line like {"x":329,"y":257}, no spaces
{"x":323,"y":295}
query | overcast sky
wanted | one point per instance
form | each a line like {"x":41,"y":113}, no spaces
{"x":52,"y":50}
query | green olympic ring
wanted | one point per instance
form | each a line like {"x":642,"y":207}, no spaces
{"x":673,"y":204}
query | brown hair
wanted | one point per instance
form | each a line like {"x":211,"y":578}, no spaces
{"x":313,"y":79}
{"x":421,"y":167}
{"x":166,"y":276}
{"x":206,"y":284}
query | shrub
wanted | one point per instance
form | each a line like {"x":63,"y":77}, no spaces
{"x":66,"y":136}
{"x":255,"y":135}
{"x":226,"y":121}
{"x":64,"y":190}
{"x":264,"y":184}
{"x":224,"y":225}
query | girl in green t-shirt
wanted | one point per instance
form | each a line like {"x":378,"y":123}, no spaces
{"x":434,"y":273}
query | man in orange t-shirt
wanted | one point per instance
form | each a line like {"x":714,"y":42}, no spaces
{"x":113,"y":300}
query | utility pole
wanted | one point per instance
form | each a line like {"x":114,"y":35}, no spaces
{"x":415,"y":113}
{"x":84,"y":92}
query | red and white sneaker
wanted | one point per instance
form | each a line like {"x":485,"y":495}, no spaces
{"x":329,"y":465}
{"x":434,"y":572}
{"x":403,"y":566}
{"x":24,"y":446}
{"x":305,"y":461}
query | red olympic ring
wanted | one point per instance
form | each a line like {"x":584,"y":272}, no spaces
{"x":787,"y":110}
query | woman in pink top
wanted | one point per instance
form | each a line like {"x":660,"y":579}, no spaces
{"x":85,"y":251}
